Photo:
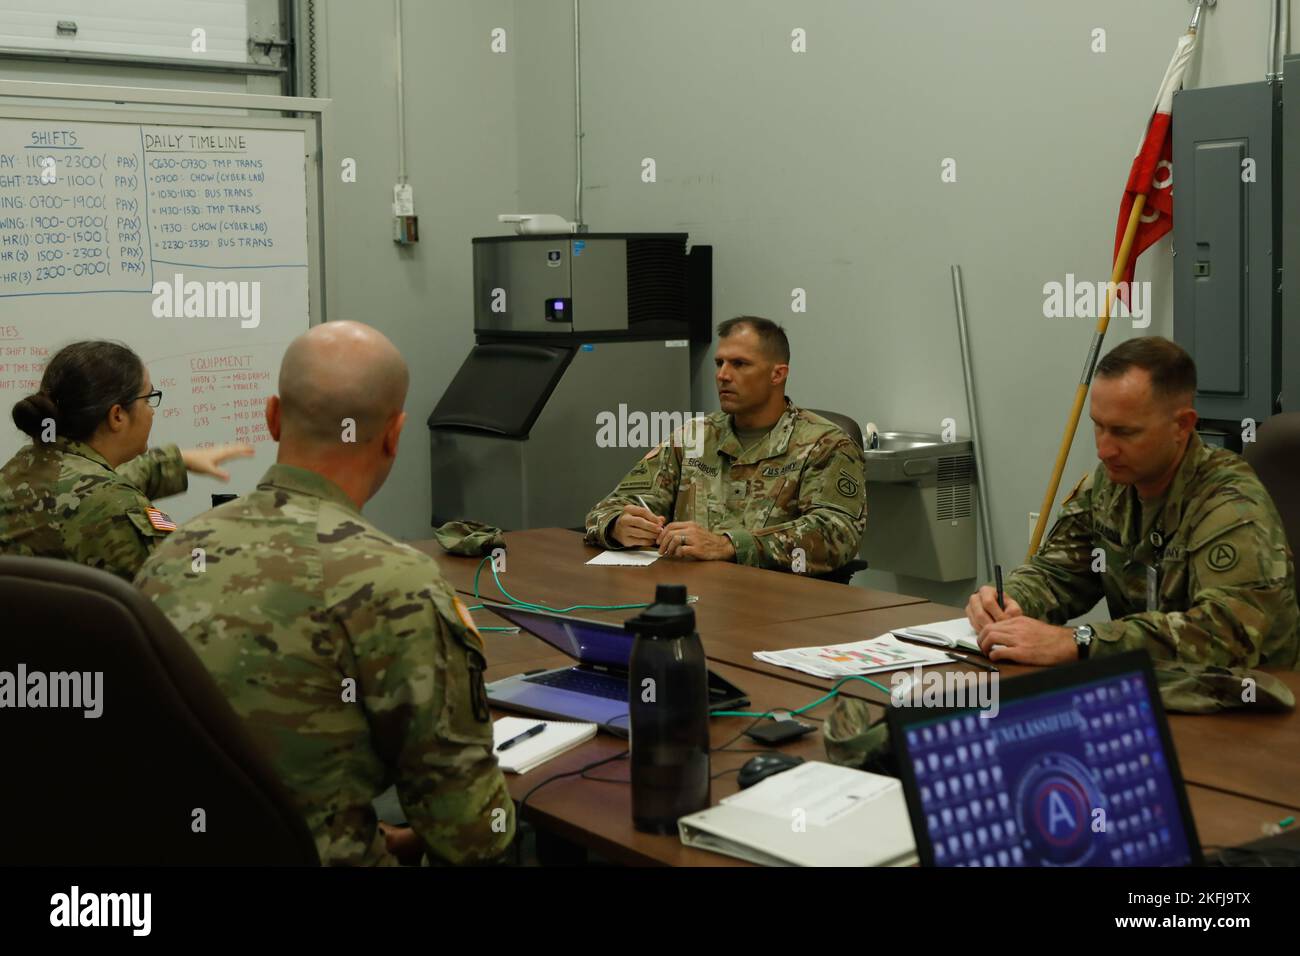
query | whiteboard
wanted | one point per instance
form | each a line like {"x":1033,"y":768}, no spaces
{"x":103,"y":223}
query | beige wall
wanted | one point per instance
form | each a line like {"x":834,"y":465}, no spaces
{"x":816,"y":170}
{"x":821,"y":171}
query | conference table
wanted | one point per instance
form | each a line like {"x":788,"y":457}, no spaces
{"x":1242,"y":768}
{"x":1238,"y":751}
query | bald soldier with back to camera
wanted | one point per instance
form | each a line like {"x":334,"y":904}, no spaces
{"x":350,"y":659}
{"x":1180,"y":538}
{"x":761,"y":482}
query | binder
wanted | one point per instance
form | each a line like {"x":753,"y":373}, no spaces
{"x":816,"y":814}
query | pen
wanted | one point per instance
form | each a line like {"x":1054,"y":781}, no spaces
{"x":1002,"y":601}
{"x":973,"y":663}
{"x":647,"y":508}
{"x":530,"y":732}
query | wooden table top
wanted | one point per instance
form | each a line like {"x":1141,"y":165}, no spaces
{"x":548,"y":566}
{"x":598,"y":814}
{"x":1241,"y":767}
{"x":736,"y":645}
{"x":1226,"y":819}
{"x":1251,"y":754}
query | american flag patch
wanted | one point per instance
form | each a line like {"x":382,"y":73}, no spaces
{"x":159,"y":520}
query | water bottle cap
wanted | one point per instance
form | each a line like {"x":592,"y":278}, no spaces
{"x":670,"y":594}
{"x":668,"y":616}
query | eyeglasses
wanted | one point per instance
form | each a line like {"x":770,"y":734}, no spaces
{"x":154,"y":398}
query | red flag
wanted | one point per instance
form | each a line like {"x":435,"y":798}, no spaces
{"x":1153,"y":169}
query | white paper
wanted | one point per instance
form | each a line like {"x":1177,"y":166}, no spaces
{"x":626,"y":559}
{"x":883,"y":653}
{"x":823,"y":793}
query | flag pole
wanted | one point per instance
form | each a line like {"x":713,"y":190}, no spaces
{"x":1121,"y":263}
{"x":1094,"y":350}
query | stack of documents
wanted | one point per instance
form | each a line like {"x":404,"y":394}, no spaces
{"x":559,"y":736}
{"x":816,"y":814}
{"x":883,"y":653}
{"x":955,"y":633}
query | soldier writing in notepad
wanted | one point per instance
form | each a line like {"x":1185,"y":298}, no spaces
{"x":1180,"y":538}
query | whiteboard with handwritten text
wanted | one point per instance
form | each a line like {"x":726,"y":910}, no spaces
{"x":189,"y":244}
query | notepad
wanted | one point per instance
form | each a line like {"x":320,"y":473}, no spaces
{"x":558,"y":737}
{"x":639,"y":558}
{"x":955,"y":633}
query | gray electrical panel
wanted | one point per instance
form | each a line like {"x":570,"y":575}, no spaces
{"x":1227,"y":248}
{"x":1291,"y":247}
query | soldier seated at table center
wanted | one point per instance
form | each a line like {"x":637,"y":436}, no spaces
{"x":761,"y":482}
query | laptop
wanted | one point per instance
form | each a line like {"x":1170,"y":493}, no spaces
{"x":596,"y":689}
{"x":1075,"y":769}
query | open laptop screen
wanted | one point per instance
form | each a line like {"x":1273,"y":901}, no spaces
{"x":1077,"y":774}
{"x":591,"y":642}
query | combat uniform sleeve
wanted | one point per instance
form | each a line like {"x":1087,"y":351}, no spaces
{"x":112,"y":530}
{"x":120,"y":544}
{"x":655,"y":478}
{"x":1058,"y":582}
{"x":158,"y":472}
{"x":421,"y":681}
{"x":833,"y":516}
{"x":1240,"y":591}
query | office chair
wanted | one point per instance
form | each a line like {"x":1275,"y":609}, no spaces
{"x":844,"y":574}
{"x":123,"y":787}
{"x":1274,"y":455}
{"x":845,"y":423}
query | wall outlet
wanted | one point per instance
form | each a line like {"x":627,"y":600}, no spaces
{"x":1033,"y":523}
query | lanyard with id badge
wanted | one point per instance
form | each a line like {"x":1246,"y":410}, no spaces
{"x":1153,"y":570}
{"x":1156,"y":537}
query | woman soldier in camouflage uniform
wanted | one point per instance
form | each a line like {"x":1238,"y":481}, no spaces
{"x":83,"y":489}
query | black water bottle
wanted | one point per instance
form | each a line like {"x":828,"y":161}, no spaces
{"x":668,"y":696}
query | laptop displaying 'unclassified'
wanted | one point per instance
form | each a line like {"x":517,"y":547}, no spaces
{"x":1076,"y":768}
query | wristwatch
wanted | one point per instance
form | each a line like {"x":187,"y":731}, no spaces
{"x":1083,"y":640}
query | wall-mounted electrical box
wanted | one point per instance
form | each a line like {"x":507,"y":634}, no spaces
{"x":1291,"y":247}
{"x":1227,"y":249}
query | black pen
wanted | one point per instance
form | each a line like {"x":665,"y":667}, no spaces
{"x":530,"y":732}
{"x":1002,"y":601}
{"x":972,"y":662}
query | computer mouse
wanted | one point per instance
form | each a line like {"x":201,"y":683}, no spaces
{"x":765,"y":765}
